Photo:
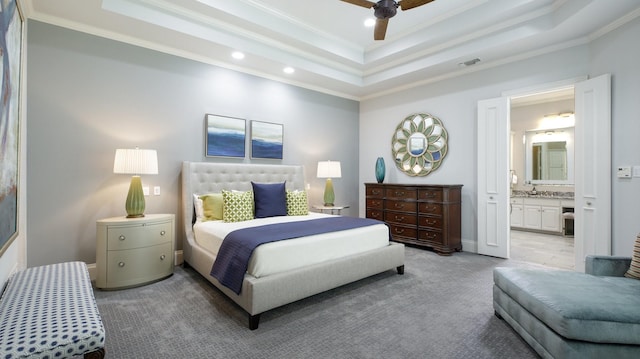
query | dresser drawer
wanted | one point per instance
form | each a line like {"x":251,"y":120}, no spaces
{"x":430,"y":194}
{"x":401,"y":218}
{"x":402,"y":231}
{"x":374,"y":203}
{"x":375,"y":191}
{"x":392,"y":205}
{"x":128,"y":267}
{"x":401,"y":193}
{"x":143,"y":235}
{"x":430,"y":208}
{"x":431,"y":222}
{"x":430,"y":236}
{"x":375,"y":214}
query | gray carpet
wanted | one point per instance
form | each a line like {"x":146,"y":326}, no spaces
{"x":440,"y":308}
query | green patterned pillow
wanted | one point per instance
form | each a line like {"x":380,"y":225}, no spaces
{"x":634,"y":270}
{"x":297,"y":204}
{"x":237,"y":206}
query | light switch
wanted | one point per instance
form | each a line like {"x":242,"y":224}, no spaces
{"x":624,"y":172}
{"x":636,"y":171}
{"x":145,"y":190}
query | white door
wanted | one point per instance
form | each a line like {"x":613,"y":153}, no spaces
{"x":493,"y":177}
{"x":592,"y":168}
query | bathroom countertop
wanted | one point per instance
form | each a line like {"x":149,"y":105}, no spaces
{"x":542,"y":194}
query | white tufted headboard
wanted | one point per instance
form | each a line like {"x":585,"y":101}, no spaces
{"x":207,"y":177}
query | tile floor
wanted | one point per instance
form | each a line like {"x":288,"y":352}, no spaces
{"x":549,"y":250}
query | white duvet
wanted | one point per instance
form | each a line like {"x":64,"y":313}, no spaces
{"x":280,"y":256}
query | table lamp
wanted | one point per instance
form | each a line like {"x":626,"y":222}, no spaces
{"x":329,"y":170}
{"x":136,"y":162}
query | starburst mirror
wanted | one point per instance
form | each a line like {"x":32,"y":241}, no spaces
{"x":419,"y":144}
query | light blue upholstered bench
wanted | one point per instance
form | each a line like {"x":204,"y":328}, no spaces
{"x":564,"y":314}
{"x":50,"y":312}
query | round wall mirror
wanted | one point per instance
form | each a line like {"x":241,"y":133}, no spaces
{"x":419,"y":144}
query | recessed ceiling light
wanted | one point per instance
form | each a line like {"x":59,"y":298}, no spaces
{"x":289,"y":70}
{"x":369,"y":22}
{"x":237,"y":55}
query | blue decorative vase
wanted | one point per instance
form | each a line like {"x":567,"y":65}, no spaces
{"x":380,"y":169}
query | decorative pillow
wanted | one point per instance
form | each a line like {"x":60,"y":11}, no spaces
{"x":237,"y":206}
{"x":634,"y":270}
{"x":211,"y":206}
{"x":270,"y":199}
{"x":297,"y":204}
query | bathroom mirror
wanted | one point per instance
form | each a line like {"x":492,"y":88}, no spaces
{"x":549,"y":156}
{"x":419,"y":144}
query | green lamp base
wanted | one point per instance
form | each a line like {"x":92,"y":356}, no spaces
{"x":329,"y":196}
{"x":135,"y":199}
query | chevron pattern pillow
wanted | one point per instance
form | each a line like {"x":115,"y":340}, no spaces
{"x":634,"y":270}
{"x":237,"y":206}
{"x":297,"y":204}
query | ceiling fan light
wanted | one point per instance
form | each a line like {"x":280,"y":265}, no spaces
{"x":369,"y":22}
{"x":288,"y":70}
{"x":237,"y":55}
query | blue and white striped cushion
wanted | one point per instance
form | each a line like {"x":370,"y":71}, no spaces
{"x":50,"y":312}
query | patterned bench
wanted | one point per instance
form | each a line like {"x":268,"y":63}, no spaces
{"x":50,"y":312}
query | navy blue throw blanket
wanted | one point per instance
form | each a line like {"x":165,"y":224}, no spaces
{"x":233,"y":257}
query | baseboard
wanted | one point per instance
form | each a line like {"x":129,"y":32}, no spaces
{"x":93,"y":271}
{"x":469,"y":246}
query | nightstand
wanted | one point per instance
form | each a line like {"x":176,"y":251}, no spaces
{"x":331,"y":209}
{"x":134,"y":251}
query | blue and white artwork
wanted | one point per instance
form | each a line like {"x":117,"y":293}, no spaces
{"x":225,"y":136}
{"x":10,"y":60}
{"x":266,"y":140}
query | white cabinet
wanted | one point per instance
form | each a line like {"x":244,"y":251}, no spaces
{"x":542,"y":214}
{"x":517,"y":212}
{"x":134,"y":251}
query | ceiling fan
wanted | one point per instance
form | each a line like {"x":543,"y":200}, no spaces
{"x":385,"y":10}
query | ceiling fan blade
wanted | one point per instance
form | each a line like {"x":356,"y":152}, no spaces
{"x":410,"y":4}
{"x":363,"y":3}
{"x":381,"y":29}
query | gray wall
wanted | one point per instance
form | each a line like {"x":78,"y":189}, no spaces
{"x":455,"y":102}
{"x":87,"y":96}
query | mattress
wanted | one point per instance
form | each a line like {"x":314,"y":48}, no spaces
{"x":281,"y":256}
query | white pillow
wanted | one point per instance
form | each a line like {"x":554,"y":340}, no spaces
{"x":197,"y":204}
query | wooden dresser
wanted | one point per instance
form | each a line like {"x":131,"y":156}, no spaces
{"x":422,"y":215}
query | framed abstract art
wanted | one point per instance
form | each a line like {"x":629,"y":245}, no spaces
{"x":10,"y":54}
{"x":225,"y":136}
{"x":266,"y":140}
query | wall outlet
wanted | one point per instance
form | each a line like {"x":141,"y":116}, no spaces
{"x":145,"y":190}
{"x":156,"y":190}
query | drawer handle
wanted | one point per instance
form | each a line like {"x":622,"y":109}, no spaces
{"x":375,"y":191}
{"x":400,"y":218}
{"x":430,"y":194}
{"x":431,"y":222}
{"x":399,"y":193}
{"x":162,"y":233}
{"x":122,"y":237}
{"x":399,"y":230}
{"x":121,"y":264}
{"x":431,"y":208}
{"x":162,"y":257}
{"x":431,"y":235}
{"x":399,"y":205}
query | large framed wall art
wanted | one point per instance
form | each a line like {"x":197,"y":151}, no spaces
{"x":225,"y":136}
{"x":10,"y":54}
{"x":266,"y":140}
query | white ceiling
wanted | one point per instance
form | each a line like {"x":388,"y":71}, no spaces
{"x":327,"y":43}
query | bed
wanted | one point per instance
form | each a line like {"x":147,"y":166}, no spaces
{"x":274,"y":288}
